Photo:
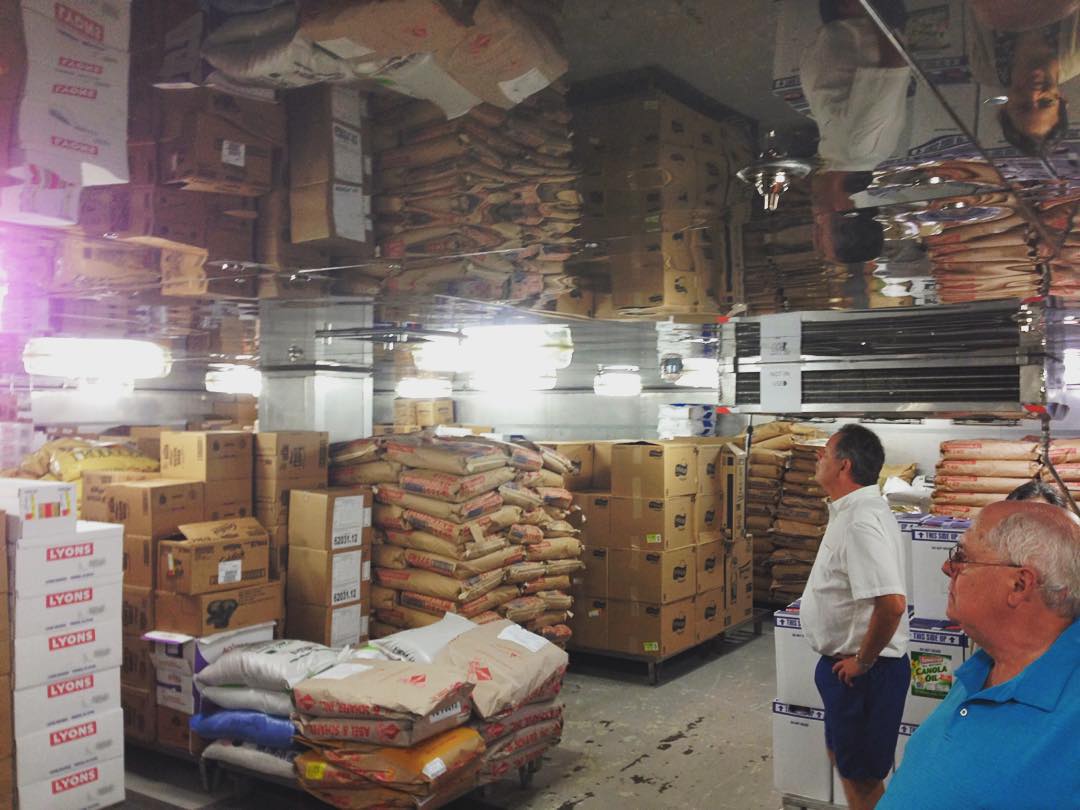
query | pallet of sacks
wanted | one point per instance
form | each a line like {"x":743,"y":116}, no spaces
{"x":471,"y":527}
{"x":973,"y":473}
{"x":801,"y":518}
{"x":427,"y":715}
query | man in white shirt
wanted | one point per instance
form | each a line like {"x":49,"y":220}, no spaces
{"x":854,"y":615}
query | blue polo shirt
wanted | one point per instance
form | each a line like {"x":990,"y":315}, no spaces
{"x":1013,"y":745}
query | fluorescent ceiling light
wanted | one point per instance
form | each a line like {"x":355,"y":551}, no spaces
{"x":95,"y":358}
{"x":234,"y":379}
{"x":423,"y":388}
{"x":538,"y":347}
{"x":617,"y":381}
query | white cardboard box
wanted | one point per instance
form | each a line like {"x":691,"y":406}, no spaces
{"x":97,"y":23}
{"x":94,"y":553}
{"x":795,"y":660}
{"x":908,"y":524}
{"x":54,"y":50}
{"x":930,"y":546}
{"x":801,"y":764}
{"x":97,"y":786}
{"x":55,"y":752}
{"x":936,"y":652}
{"x":37,"y":511}
{"x":39,"y":659}
{"x":66,"y":701}
{"x":67,"y":608}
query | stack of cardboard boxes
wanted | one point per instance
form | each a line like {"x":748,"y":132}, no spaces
{"x":61,"y":703}
{"x":284,"y":461}
{"x":663,"y":554}
{"x":411,"y":415}
{"x":329,"y":588}
{"x":658,"y":180}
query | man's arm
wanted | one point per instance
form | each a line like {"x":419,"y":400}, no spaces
{"x":888,"y":610}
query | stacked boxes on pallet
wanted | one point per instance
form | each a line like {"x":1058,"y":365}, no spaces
{"x":329,"y":587}
{"x":800,"y":524}
{"x":411,"y":415}
{"x":61,"y":684}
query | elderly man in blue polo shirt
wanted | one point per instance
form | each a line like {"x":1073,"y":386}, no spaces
{"x":1008,"y":733}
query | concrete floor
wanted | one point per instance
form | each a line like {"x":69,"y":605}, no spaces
{"x":702,"y":739}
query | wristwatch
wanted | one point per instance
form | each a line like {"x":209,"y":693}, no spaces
{"x":863,"y":665}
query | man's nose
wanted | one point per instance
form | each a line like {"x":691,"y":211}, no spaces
{"x":948,"y":569}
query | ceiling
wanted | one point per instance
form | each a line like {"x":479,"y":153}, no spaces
{"x":722,"y":47}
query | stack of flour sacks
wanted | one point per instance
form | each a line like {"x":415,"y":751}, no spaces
{"x":417,"y":718}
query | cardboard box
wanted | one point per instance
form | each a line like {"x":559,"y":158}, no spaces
{"x":711,"y":571}
{"x":333,"y":215}
{"x":602,"y":454}
{"x":140,"y":714}
{"x":65,"y":608}
{"x":272,"y":497}
{"x":95,"y":504}
{"x":646,"y":288}
{"x":6,"y":737}
{"x":590,"y":624}
{"x":740,"y":580}
{"x":334,"y":627}
{"x":219,"y":455}
{"x":156,"y":508}
{"x":330,"y":519}
{"x":658,"y":524}
{"x":795,"y":660}
{"x":646,"y":628}
{"x":137,"y":669}
{"x":801,"y":764}
{"x":328,"y":138}
{"x":230,"y":500}
{"x":208,"y":613}
{"x":929,"y":550}
{"x":56,"y":752}
{"x":147,"y":439}
{"x":7,"y":781}
{"x":203,"y":152}
{"x":405,"y":411}
{"x":653,"y":470}
{"x":67,"y":653}
{"x":707,"y":516}
{"x":93,"y":554}
{"x":213,"y":273}
{"x":733,"y":489}
{"x":294,"y":454}
{"x":581,"y":454}
{"x":99,"y":785}
{"x":710,"y":620}
{"x":936,"y":651}
{"x":594,"y":579}
{"x":643,"y":122}
{"x":140,"y":561}
{"x":652,"y":576}
{"x":216,"y":556}
{"x":65,"y":702}
{"x":138,"y":610}
{"x":327,"y":578}
{"x":173,"y":728}
{"x":596,"y":508}
{"x":37,"y":511}
{"x":432,"y":412}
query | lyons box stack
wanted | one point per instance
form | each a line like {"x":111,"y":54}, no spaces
{"x":658,"y":180}
{"x":495,"y":185}
{"x":467,"y":526}
{"x":284,"y":461}
{"x":65,"y":643}
{"x":329,"y":586}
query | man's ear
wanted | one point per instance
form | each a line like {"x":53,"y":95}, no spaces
{"x":1025,"y":586}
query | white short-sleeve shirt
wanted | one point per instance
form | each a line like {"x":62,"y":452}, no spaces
{"x":861,"y":557}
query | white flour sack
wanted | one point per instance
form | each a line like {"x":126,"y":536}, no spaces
{"x":275,"y":666}
{"x":266,"y":701}
{"x":422,"y":644}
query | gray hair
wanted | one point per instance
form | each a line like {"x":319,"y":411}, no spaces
{"x":1049,"y":547}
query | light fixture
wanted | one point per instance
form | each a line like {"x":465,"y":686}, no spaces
{"x":771,"y":174}
{"x":95,"y":358}
{"x":506,"y":346}
{"x":423,"y":388}
{"x":230,"y":378}
{"x":617,"y":381}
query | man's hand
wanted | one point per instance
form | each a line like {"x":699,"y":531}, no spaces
{"x":848,"y":669}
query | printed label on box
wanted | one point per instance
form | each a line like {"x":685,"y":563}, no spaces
{"x":345,"y":626}
{"x":931,"y":674}
{"x":230,"y":571}
{"x":348,"y":513}
{"x":233,"y":153}
{"x":345,"y":577}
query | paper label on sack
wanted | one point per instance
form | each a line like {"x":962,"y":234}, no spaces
{"x":345,"y":48}
{"x":345,"y":577}
{"x":434,"y":769}
{"x":519,"y":635}
{"x":230,"y":571}
{"x":233,"y":153}
{"x":314,"y":771}
{"x":519,"y":89}
{"x":348,"y":208}
{"x":781,"y":337}
{"x":348,"y":513}
{"x":781,"y":387}
{"x":365,"y":571}
{"x":345,"y":626}
{"x":340,"y":672}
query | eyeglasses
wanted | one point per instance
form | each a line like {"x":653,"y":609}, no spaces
{"x":957,"y":557}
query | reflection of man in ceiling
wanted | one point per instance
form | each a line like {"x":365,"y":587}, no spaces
{"x":1030,"y":65}
{"x":856,"y":84}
